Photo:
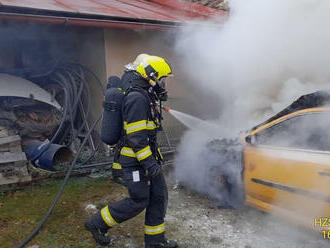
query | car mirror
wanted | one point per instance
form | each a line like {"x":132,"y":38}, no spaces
{"x":251,"y":139}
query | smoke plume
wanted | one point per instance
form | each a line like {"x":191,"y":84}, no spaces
{"x":262,"y":58}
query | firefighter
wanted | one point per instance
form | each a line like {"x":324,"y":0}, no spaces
{"x":140,"y":158}
{"x":124,"y":83}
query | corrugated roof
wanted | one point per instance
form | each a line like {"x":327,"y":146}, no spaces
{"x":141,"y":10}
{"x":216,"y":4}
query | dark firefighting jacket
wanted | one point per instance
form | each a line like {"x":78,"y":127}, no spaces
{"x":140,"y":128}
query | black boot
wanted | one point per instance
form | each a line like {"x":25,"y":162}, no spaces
{"x":98,"y":228}
{"x":164,"y":244}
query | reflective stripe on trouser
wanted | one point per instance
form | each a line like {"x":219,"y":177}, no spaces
{"x":156,"y":210}
{"x":107,"y":217}
{"x":151,"y":195}
{"x":154,"y":230}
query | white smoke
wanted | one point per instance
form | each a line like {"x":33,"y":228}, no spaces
{"x":263,"y":57}
{"x":266,"y":55}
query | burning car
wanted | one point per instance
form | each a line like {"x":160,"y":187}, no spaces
{"x":282,"y":165}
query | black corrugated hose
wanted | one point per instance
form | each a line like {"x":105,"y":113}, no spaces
{"x":71,"y":78}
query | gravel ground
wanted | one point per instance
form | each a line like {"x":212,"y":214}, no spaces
{"x":194,"y":222}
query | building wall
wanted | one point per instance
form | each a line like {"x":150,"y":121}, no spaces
{"x":122,"y":46}
{"x":91,"y":52}
{"x":34,"y":45}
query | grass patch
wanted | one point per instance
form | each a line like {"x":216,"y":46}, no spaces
{"x":21,"y":211}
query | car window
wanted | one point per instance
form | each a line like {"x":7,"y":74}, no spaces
{"x":307,"y":131}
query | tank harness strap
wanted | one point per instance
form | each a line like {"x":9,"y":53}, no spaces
{"x":150,"y":126}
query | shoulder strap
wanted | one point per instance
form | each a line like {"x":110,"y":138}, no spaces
{"x":144,"y":93}
{"x":153,"y":114}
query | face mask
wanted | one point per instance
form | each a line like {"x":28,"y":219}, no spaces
{"x":162,"y":83}
{"x":160,"y":90}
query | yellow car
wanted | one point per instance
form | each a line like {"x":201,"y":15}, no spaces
{"x":286,"y":163}
{"x":282,"y":166}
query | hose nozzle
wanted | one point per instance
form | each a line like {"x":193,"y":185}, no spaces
{"x":166,"y":108}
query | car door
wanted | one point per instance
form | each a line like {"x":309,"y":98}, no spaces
{"x":287,"y":168}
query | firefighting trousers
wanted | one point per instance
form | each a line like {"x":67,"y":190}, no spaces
{"x":116,"y":166}
{"x":150,"y":194}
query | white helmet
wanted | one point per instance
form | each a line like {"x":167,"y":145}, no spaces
{"x":133,"y":65}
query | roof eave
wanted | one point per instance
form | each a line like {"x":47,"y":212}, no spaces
{"x":80,"y":19}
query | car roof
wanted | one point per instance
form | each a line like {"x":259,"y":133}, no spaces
{"x":288,"y":116}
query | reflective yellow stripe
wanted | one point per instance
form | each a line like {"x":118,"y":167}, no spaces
{"x":136,"y":123}
{"x":144,"y":153}
{"x":151,"y":125}
{"x":154,"y":230}
{"x":136,"y":126}
{"x":160,"y":154}
{"x":140,"y":155}
{"x":127,"y":151}
{"x":116,"y":166}
{"x":106,"y":216}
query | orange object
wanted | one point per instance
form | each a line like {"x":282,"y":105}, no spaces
{"x":167,"y":109}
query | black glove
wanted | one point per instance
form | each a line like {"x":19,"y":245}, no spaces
{"x":153,"y":171}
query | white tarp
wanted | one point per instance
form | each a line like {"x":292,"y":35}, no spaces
{"x":19,"y":87}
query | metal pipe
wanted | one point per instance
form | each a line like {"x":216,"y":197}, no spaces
{"x":93,"y":165}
